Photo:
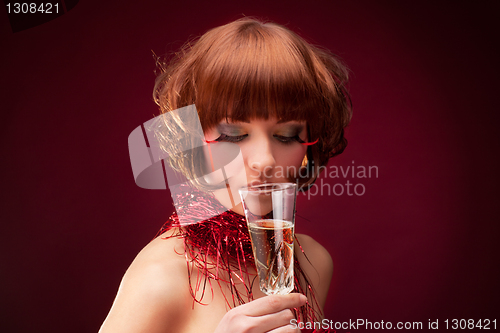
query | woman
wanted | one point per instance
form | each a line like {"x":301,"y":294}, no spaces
{"x":283,"y":102}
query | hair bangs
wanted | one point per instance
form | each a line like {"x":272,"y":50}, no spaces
{"x":261,"y":75}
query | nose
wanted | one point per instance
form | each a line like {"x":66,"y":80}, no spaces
{"x":260,"y":159}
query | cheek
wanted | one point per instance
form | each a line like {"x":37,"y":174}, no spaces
{"x":291,"y":158}
{"x":223,"y":161}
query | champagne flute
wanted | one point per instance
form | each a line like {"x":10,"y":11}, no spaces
{"x":270,"y":214}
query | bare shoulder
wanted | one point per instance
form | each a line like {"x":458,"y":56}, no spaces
{"x":317,"y":264}
{"x":153,"y":295}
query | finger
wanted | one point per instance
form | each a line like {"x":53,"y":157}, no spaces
{"x":279,"y":320}
{"x":273,"y":303}
{"x":286,"y":329}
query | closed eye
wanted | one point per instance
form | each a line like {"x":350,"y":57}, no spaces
{"x":227,"y":138}
{"x":280,"y":138}
{"x":288,"y":139}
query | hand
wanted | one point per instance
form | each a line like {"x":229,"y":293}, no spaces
{"x":267,"y":314}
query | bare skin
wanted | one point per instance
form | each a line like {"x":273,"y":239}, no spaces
{"x":154,"y":295}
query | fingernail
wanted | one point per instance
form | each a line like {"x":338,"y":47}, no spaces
{"x":303,"y":298}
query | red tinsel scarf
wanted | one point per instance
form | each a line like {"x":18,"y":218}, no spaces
{"x":220,"y":249}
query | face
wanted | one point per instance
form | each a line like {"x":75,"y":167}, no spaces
{"x":271,"y":152}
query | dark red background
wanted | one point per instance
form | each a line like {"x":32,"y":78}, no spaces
{"x":421,"y":242}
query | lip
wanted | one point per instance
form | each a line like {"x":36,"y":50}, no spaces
{"x":256,"y":183}
{"x":253,"y":183}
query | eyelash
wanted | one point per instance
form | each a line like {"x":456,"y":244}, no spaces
{"x":283,"y":139}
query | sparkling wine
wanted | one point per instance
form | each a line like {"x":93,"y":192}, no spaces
{"x":272,"y":242}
